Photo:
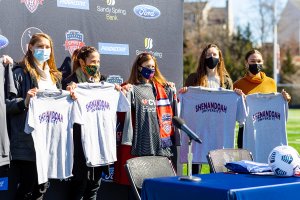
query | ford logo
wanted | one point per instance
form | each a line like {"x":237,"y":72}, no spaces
{"x":146,"y":11}
{"x":3,"y":41}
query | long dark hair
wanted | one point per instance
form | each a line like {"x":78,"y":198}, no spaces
{"x":81,"y":53}
{"x":202,"y":70}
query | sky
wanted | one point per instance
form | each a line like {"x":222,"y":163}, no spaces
{"x":244,"y":12}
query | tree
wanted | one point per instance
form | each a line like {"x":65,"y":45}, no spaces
{"x":288,"y":67}
{"x":234,"y":53}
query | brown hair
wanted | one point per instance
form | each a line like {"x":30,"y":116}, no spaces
{"x":249,"y":53}
{"x":81,"y":53}
{"x":135,"y":76}
{"x":202,"y":71}
{"x":28,"y":60}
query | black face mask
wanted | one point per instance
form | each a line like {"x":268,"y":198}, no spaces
{"x":211,"y":62}
{"x":255,"y":68}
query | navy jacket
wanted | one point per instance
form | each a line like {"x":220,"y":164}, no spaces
{"x":21,"y":144}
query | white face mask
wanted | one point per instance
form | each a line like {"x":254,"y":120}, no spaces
{"x":42,"y":55}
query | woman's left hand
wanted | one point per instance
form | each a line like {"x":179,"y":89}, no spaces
{"x":286,"y":95}
{"x":71,"y":87}
{"x":118,"y":87}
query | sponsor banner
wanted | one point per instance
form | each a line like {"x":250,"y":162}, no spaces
{"x":113,"y":49}
{"x":74,"y":40}
{"x":148,"y":44}
{"x":146,"y":11}
{"x":4,"y":183}
{"x":115,"y":79}
{"x":76,"y":4}
{"x":26,"y":36}
{"x":32,"y":5}
{"x":112,"y":13}
{"x":109,"y":177}
{"x":3,"y":42}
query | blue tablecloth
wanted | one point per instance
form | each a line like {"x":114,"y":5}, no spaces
{"x":221,"y":186}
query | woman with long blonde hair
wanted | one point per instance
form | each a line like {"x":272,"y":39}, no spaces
{"x":37,"y":71}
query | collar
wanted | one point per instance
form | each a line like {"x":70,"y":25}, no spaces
{"x":256,"y":79}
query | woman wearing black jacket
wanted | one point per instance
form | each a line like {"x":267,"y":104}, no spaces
{"x":37,"y":71}
{"x":86,"y":180}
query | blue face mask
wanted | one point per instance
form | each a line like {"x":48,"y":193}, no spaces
{"x":147,"y":73}
{"x":42,"y":55}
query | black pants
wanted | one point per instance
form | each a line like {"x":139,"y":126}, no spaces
{"x":86,"y":180}
{"x":26,"y":181}
{"x":240,"y":137}
{"x":196,"y":168}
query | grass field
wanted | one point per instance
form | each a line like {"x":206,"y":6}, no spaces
{"x":293,"y":131}
{"x":293,"y":128}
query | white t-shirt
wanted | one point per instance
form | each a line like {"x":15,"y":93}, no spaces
{"x":99,"y":103}
{"x":212,"y":115}
{"x":265,"y":126}
{"x":50,"y":121}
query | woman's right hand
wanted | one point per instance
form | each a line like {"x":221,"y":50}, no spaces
{"x":31,"y":93}
{"x":71,"y":87}
{"x":183,"y":90}
{"x":239,"y":92}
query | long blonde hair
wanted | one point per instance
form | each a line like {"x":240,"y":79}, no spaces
{"x":28,"y":60}
{"x":202,"y":70}
{"x":135,"y":76}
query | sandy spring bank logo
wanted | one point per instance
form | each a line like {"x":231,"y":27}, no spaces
{"x":3,"y":41}
{"x":146,"y":11}
{"x":32,"y":5}
{"x":76,"y":4}
{"x":111,"y":12}
{"x":26,"y":36}
{"x":110,"y":2}
{"x":148,"y":44}
{"x":74,"y":40}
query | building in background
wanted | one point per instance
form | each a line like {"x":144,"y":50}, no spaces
{"x":200,"y":17}
{"x":289,"y":24}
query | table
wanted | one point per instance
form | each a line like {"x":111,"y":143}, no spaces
{"x":222,"y":186}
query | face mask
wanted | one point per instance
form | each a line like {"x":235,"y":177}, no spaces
{"x":211,"y":62}
{"x":255,"y":68}
{"x":91,"y":69}
{"x":42,"y":55}
{"x":147,"y":73}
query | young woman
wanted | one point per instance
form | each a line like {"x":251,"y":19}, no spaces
{"x":255,"y":81}
{"x":86,"y":180}
{"x":211,"y":73}
{"x":37,"y":71}
{"x":148,"y":129}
